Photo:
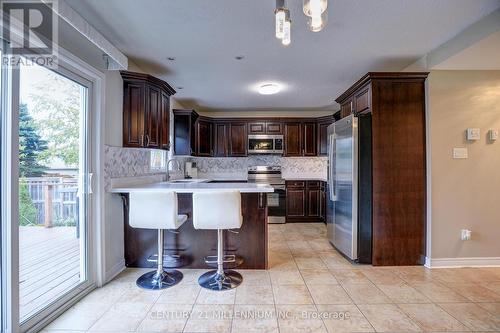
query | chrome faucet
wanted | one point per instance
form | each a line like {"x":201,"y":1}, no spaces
{"x":168,"y":164}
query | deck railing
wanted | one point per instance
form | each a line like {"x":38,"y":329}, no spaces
{"x":55,"y":200}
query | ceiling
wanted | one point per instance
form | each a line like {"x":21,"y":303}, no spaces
{"x":204,"y":37}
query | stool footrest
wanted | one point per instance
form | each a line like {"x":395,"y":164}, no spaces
{"x":166,"y":257}
{"x":228,"y":258}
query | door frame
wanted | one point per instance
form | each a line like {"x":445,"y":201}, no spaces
{"x":70,"y":66}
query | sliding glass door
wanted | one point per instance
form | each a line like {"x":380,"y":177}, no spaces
{"x":47,"y":261}
{"x":53,"y":187}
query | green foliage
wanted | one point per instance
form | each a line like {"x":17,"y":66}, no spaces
{"x":57,"y":107}
{"x":31,"y":146}
{"x":27,"y":210}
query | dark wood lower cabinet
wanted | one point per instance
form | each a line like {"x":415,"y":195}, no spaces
{"x":193,"y":245}
{"x":295,"y":203}
{"x":305,"y":201}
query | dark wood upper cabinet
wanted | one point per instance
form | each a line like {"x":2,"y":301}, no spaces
{"x":153,"y":117}
{"x":238,"y":138}
{"x":293,"y":139}
{"x":309,"y":139}
{"x":323,"y":124}
{"x":204,"y":137}
{"x":165,"y":116}
{"x":144,"y":100}
{"x":396,"y":104}
{"x":221,"y":141}
{"x":229,"y":136}
{"x":134,"y":113}
{"x":274,"y":128}
{"x":300,"y":138}
{"x":257,"y":128}
{"x":346,"y":108}
{"x":184,"y":131}
{"x":265,"y":127}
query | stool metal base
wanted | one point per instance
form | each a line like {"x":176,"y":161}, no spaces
{"x":166,"y":279}
{"x":228,"y":280}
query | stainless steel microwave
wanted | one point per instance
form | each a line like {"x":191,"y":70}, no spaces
{"x":265,"y":144}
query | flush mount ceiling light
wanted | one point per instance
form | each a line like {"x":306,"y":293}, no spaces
{"x":269,"y":89}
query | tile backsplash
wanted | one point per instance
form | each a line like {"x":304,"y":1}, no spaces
{"x":237,"y":166}
{"x":136,"y":162}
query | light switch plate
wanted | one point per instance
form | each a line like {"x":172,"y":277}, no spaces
{"x":473,"y":134}
{"x":493,"y":135}
{"x":460,"y":153}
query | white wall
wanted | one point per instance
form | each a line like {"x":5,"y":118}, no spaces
{"x":464,"y":192}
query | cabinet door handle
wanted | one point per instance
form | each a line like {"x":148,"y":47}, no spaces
{"x":352,"y":106}
{"x":141,"y":140}
{"x":147,"y":140}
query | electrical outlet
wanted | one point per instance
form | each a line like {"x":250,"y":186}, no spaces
{"x":460,"y":153}
{"x":466,"y":235}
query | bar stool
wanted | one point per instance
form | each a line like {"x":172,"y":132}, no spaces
{"x":156,"y":211}
{"x":218,"y":211}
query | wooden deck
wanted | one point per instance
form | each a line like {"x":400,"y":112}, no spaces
{"x":49,"y":266}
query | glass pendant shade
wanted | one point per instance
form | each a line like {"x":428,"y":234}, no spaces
{"x":287,"y":38}
{"x":280,"y":22}
{"x":314,"y":8}
{"x":317,"y":23}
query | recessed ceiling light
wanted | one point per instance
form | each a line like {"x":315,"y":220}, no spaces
{"x":171,"y":58}
{"x":240,"y":57}
{"x":180,"y":88}
{"x":269,"y":89}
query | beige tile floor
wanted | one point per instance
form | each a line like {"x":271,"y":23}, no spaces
{"x":308,"y":288}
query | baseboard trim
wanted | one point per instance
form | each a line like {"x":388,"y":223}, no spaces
{"x":115,"y":270}
{"x":462,"y":262}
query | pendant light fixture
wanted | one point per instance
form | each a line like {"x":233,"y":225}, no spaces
{"x":287,"y":30}
{"x":317,"y":23}
{"x":280,"y":16}
{"x":316,"y":11}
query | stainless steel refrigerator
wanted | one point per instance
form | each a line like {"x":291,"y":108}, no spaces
{"x":349,"y":187}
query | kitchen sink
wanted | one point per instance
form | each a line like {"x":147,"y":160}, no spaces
{"x":188,"y":181}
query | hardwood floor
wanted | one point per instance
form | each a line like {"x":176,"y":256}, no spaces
{"x":49,"y":265}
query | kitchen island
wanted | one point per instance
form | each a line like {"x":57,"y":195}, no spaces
{"x":248,"y":244}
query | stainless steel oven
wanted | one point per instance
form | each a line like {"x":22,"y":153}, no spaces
{"x":265,"y":144}
{"x":276,"y":201}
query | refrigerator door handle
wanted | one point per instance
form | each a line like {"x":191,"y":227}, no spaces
{"x":333,"y":194}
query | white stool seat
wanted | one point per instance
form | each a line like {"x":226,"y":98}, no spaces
{"x":155,"y":211}
{"x":217,"y":210}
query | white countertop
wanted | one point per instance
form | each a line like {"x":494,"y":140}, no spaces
{"x":195,"y":187}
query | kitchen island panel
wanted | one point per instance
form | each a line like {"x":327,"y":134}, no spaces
{"x":249,"y":244}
